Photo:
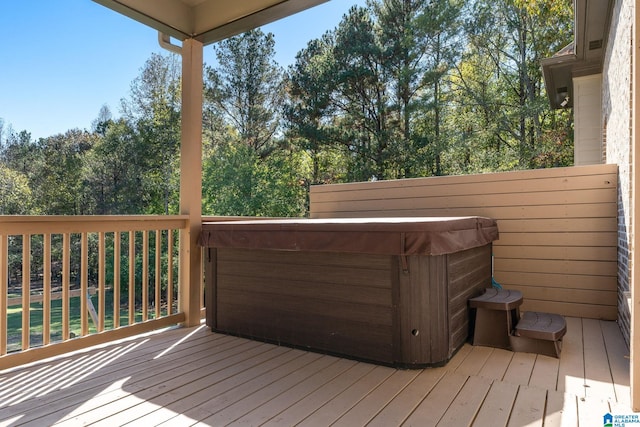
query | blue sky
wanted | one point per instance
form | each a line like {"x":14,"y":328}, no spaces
{"x":61,"y":60}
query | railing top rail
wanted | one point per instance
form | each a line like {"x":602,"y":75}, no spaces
{"x":13,"y":225}
{"x":89,"y":218}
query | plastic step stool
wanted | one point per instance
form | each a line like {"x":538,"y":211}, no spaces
{"x":497,"y":313}
{"x":539,"y":333}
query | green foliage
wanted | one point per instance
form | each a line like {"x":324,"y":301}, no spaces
{"x":57,"y":183}
{"x":15,"y":194}
{"x":247,"y":169}
{"x":153,"y":113}
{"x":399,"y":88}
{"x":499,"y":91}
{"x":245,"y":89}
{"x":114,"y":171}
{"x":376,"y":86}
{"x":237,"y":181}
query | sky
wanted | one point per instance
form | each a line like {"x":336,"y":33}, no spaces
{"x":62,"y":60}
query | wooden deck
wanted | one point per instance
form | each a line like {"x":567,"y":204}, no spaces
{"x":192,"y":376}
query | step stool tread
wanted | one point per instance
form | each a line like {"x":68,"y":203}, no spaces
{"x":543,"y":326}
{"x":497,"y":299}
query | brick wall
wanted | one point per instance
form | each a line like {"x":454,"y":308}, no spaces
{"x":616,"y":106}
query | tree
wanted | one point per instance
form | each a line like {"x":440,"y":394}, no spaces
{"x":247,"y":168}
{"x":376,"y":86}
{"x":420,"y":41}
{"x":21,"y":154}
{"x":100,"y":124}
{"x":112,"y":172}
{"x":246,"y":89}
{"x":361,"y":97}
{"x":237,"y":181}
{"x":15,"y":194}
{"x":513,"y":36}
{"x":57,"y":184}
{"x":153,"y":110}
{"x":309,"y":106}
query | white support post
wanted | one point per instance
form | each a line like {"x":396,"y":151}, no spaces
{"x":191,"y":181}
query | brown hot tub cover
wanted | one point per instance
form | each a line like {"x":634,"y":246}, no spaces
{"x":384,"y":236}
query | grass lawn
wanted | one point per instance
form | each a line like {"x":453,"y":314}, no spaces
{"x":14,"y":320}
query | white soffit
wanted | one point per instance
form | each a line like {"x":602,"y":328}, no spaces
{"x":207,"y":20}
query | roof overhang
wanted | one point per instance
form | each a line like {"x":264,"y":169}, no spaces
{"x":584,"y":56}
{"x":207,"y":21}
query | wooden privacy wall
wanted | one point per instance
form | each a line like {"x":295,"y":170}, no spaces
{"x":558,"y":227}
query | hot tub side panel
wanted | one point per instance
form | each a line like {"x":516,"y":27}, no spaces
{"x":334,"y":302}
{"x":210,"y":301}
{"x":432,"y":315}
{"x":422,"y":335}
{"x":469,"y":274}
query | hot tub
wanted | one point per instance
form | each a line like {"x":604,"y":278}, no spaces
{"x":386,"y":290}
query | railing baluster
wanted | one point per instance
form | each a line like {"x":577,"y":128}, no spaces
{"x":132,"y":277}
{"x":4,"y":292}
{"x":169,"y":271}
{"x":158,"y":267}
{"x":66,"y":281}
{"x":116,"y":279}
{"x":202,"y":254}
{"x":145,"y":275}
{"x":46,"y":289}
{"x":101,"y":281}
{"x":26,"y":289}
{"x":84,"y":285}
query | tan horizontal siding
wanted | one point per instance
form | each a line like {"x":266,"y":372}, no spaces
{"x":506,"y":212}
{"x":514,"y":199}
{"x":561,"y":239}
{"x":589,"y":311}
{"x":558,"y":227}
{"x":573,"y":281}
{"x":514,"y":176}
{"x":557,"y":252}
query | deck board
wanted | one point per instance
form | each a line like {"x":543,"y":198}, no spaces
{"x":72,"y":396}
{"x":528,"y":409}
{"x":195,"y":377}
{"x":545,"y":373}
{"x":571,"y":370}
{"x":520,"y":368}
{"x":618,"y":355}
{"x":561,"y":410}
{"x":334,"y":378}
{"x":221,"y":400}
{"x":379,"y":398}
{"x":497,"y":364}
{"x":407,"y":400}
{"x":433,"y":407}
{"x":467,"y":403}
{"x":253,"y":394}
{"x":342,"y":402}
{"x":598,"y":380}
{"x":164,"y":391}
{"x":496,"y":408}
{"x":301,"y":409}
{"x":591,"y":411}
{"x":476,"y":360}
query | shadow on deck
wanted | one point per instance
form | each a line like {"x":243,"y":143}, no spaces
{"x":192,"y":376}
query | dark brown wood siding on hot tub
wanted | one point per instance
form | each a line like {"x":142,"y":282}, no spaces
{"x":399,"y":310}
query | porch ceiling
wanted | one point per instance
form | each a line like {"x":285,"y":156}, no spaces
{"x":207,"y":21}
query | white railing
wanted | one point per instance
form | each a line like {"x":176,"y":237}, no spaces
{"x":78,"y":281}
